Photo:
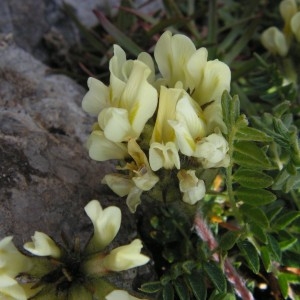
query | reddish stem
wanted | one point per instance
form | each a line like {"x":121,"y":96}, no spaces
{"x":233,"y":277}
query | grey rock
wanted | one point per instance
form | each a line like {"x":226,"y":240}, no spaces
{"x":46,"y":175}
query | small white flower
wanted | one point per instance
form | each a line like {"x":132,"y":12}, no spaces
{"x":191,"y":186}
{"x":42,"y":245}
{"x":125,"y":257}
{"x":10,"y":289}
{"x":12,"y":262}
{"x":120,"y":295}
{"x":275,"y":41}
{"x":106,"y":223}
{"x":212,"y":151}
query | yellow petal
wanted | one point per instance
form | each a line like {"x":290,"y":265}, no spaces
{"x":10,"y":289}
{"x":195,"y":67}
{"x":126,"y":257}
{"x":133,"y":199}
{"x":96,"y":98}
{"x":214,"y":118}
{"x":101,"y":149}
{"x":295,"y":25}
{"x":287,"y":9}
{"x":115,"y":124}
{"x":42,"y":245}
{"x":171,"y":54}
{"x":121,"y":295}
{"x":274,"y":41}
{"x":163,"y":156}
{"x":216,"y":79}
{"x":118,"y":184}
{"x":168,"y":99}
{"x":106,"y":222}
{"x":139,"y":97}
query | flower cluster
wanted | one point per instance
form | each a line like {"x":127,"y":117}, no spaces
{"x":277,"y":41}
{"x":156,"y":122}
{"x":60,"y":267}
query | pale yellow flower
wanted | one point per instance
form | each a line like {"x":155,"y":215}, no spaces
{"x":125,"y":257}
{"x":191,"y":186}
{"x":184,"y":66}
{"x":212,"y":151}
{"x":274,"y":41}
{"x":121,"y":295}
{"x":10,"y":289}
{"x":163,"y":152}
{"x":172,"y":54}
{"x":42,"y":245}
{"x":287,"y":9}
{"x":12,"y":262}
{"x":189,"y":125}
{"x":101,"y":149}
{"x":295,"y":25}
{"x":96,"y":98}
{"x":106,"y":223}
{"x":141,"y":177}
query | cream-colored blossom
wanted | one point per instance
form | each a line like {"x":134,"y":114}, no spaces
{"x":172,"y":54}
{"x":42,"y":245}
{"x":212,"y":151}
{"x":125,"y":257}
{"x":181,"y":64}
{"x":121,"y":295}
{"x":287,"y":9}
{"x":101,"y":149}
{"x":191,"y":186}
{"x":141,"y":177}
{"x":274,"y":41}
{"x":12,"y":262}
{"x":189,"y":125}
{"x":106,"y":223}
{"x":295,"y":25}
{"x":133,"y":99}
{"x":10,"y":289}
{"x":163,"y":152}
{"x":96,"y":98}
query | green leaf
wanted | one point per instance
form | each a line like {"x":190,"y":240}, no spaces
{"x":255,"y":214}
{"x":287,"y":244}
{"x":228,"y":240}
{"x":197,"y":285}
{"x":250,"y":254}
{"x":181,"y":290}
{"x":251,"y":134}
{"x":286,"y":219}
{"x":151,"y":287}
{"x":255,"y":197}
{"x":230,"y":108}
{"x":222,"y":296}
{"x":249,"y":155}
{"x":252,"y":178}
{"x":188,"y":266}
{"x":283,"y":284}
{"x":274,"y":211}
{"x":216,"y":275}
{"x":274,"y":248}
{"x":258,"y":232}
{"x":168,"y":292}
{"x":120,"y":37}
{"x":266,"y":258}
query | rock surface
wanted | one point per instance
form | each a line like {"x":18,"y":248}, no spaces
{"x":46,"y":176}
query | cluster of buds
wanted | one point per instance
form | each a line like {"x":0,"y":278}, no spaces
{"x":53,"y":271}
{"x":278,"y":42}
{"x":160,"y":122}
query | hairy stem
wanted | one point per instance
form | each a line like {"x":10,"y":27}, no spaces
{"x":232,"y":275}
